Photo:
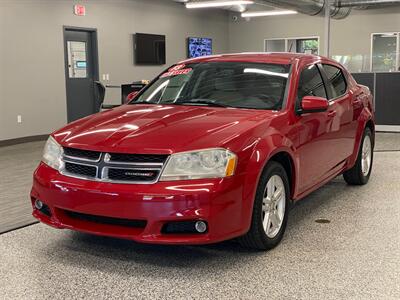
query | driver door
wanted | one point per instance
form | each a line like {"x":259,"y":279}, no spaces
{"x":313,"y":141}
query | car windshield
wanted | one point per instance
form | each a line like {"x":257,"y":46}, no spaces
{"x":220,"y":84}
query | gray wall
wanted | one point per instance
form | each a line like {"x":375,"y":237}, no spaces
{"x":32,"y":81}
{"x":2,"y":89}
{"x":353,"y":35}
{"x":350,"y":36}
{"x":249,"y":35}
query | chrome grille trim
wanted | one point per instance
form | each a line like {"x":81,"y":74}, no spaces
{"x":103,"y":165}
{"x":65,"y":172}
{"x":133,"y":164}
{"x":82,"y":158}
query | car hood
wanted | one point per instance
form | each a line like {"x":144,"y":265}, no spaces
{"x":143,"y":128}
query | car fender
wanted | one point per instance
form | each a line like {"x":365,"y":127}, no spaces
{"x":262,"y":151}
{"x":364,"y":117}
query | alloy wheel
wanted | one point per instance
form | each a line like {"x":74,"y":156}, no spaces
{"x":366,"y":155}
{"x":273,"y":208}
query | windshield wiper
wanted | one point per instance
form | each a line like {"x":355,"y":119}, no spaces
{"x":201,"y":102}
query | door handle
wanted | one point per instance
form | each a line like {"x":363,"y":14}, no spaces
{"x":331,"y":114}
{"x":358,"y":99}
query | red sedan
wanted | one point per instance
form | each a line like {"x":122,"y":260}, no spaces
{"x":214,"y":148}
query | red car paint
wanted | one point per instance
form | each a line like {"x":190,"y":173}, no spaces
{"x":320,"y":146}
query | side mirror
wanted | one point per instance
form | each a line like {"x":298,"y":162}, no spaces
{"x":313,"y":104}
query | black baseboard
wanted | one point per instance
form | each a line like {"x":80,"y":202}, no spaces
{"x":22,"y":140}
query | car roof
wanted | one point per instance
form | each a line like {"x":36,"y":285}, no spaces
{"x":262,"y":57}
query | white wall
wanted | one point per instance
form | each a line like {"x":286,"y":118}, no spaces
{"x":32,"y":81}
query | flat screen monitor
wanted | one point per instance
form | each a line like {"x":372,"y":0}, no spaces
{"x":149,"y":49}
{"x":199,"y":47}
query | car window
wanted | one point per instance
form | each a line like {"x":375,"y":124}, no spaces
{"x":310,"y":83}
{"x":230,"y":84}
{"x":336,"y":81}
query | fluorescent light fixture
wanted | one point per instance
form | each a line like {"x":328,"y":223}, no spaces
{"x":204,"y":4}
{"x":268,"y":13}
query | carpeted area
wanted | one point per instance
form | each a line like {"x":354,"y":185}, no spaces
{"x":17,"y":165}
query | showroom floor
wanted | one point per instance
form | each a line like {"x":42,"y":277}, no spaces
{"x":356,"y":255}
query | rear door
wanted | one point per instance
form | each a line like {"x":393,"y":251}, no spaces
{"x":340,"y":127}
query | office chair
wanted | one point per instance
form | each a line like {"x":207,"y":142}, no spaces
{"x":100,"y":92}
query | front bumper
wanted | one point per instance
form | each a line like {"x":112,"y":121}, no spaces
{"x":216,"y":201}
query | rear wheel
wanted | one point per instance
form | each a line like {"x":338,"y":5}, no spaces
{"x":359,"y":174}
{"x":270,"y":210}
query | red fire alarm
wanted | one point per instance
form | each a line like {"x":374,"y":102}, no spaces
{"x":79,"y":10}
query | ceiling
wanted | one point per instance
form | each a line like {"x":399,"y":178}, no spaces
{"x":339,"y":8}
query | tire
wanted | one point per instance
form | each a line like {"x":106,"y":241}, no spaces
{"x":358,"y":174}
{"x":257,"y":237}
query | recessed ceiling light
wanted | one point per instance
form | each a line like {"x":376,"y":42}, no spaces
{"x":268,"y":13}
{"x":204,"y":4}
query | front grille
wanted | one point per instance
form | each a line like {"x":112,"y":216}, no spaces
{"x":106,"y":220}
{"x":113,"y":167}
{"x":81,"y":170}
{"x":137,"y":158}
{"x":132,"y":175}
{"x":83,"y":154}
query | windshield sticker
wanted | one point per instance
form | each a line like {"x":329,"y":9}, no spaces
{"x":177,"y":67}
{"x":176,"y":72}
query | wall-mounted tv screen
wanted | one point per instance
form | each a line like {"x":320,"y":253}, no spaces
{"x":199,"y":47}
{"x":149,"y":49}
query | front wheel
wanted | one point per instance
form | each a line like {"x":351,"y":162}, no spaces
{"x":270,"y":210}
{"x":359,"y":174}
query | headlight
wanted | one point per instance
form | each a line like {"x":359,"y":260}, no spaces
{"x":209,"y":163}
{"x":52,"y":154}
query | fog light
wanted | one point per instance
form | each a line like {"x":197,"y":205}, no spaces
{"x":38,"y":204}
{"x":200,"y":226}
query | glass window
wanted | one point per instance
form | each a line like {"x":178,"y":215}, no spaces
{"x":354,"y":63}
{"x":275,"y":45}
{"x":230,"y":84}
{"x":77,"y":64}
{"x":307,"y":46}
{"x":310,"y":83}
{"x":336,"y":81}
{"x":294,"y":45}
{"x":384,"y":52}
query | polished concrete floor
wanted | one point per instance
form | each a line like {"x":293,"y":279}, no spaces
{"x":355,"y":256}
